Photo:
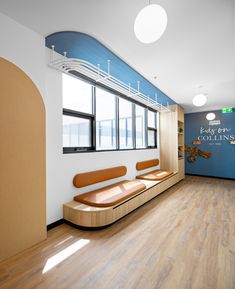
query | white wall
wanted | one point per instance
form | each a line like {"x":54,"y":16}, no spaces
{"x":61,"y":168}
{"x":26,"y":49}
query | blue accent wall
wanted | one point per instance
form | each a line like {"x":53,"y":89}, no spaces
{"x":85,"y":47}
{"x":215,"y":137}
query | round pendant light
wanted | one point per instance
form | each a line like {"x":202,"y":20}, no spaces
{"x":210,"y":116}
{"x":150,"y":23}
{"x":199,"y":100}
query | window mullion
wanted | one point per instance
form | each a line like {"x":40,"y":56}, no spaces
{"x":93,"y":133}
{"x":117,"y":124}
{"x":134,"y":125}
{"x":146,"y":128}
{"x":126,"y":134}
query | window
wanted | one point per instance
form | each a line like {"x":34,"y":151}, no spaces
{"x":125,"y":124}
{"x":96,"y":118}
{"x":151,"y":119}
{"x":78,"y":118}
{"x":76,"y":132}
{"x":77,"y":94}
{"x":140,"y":125}
{"x":105,"y":120}
{"x":152,"y":129}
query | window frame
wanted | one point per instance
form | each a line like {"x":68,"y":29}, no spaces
{"x":145,"y":126}
{"x":92,"y":118}
{"x":83,"y":115}
{"x":154,"y":129}
{"x":116,"y":116}
{"x":132,"y":124}
{"x":92,"y":94}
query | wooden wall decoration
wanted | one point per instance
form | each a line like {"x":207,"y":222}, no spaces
{"x":22,"y":162}
{"x":196,"y":142}
{"x":194,"y":152}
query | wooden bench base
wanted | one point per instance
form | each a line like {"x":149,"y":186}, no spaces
{"x":92,"y":217}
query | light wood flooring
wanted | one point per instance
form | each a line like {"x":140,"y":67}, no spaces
{"x":182,"y":239}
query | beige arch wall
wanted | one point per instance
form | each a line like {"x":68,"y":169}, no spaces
{"x":22,"y":162}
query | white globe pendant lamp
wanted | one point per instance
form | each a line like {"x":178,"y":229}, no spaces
{"x":150,"y":23}
{"x":199,"y":100}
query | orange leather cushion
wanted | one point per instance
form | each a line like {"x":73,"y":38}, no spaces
{"x":86,"y":179}
{"x":146,"y":164}
{"x":155,"y":175}
{"x":111,"y":195}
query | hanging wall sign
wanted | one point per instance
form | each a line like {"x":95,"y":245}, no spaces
{"x":214,"y":122}
{"x":215,"y":132}
{"x":215,"y":135}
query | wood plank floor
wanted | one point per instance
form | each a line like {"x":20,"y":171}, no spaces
{"x":183,"y":239}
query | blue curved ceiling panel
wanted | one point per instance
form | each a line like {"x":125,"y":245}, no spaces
{"x":85,"y":47}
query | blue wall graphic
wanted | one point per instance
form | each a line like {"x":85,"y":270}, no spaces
{"x":85,"y":47}
{"x":215,"y":137}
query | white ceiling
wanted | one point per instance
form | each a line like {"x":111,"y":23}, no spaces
{"x":197,"y":49}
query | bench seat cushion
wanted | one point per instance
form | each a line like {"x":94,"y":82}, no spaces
{"x":111,"y":195}
{"x":156,"y":175}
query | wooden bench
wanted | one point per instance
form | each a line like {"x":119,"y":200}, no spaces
{"x":156,"y":175}
{"x":110,"y":195}
{"x":104,"y":206}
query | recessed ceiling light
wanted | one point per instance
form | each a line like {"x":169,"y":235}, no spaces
{"x":210,"y":116}
{"x":150,"y":23}
{"x":199,"y":100}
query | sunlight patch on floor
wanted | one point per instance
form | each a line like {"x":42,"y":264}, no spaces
{"x":62,"y":242}
{"x":64,"y":254}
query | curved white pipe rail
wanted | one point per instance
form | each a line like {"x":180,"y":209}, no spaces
{"x":86,"y":68}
